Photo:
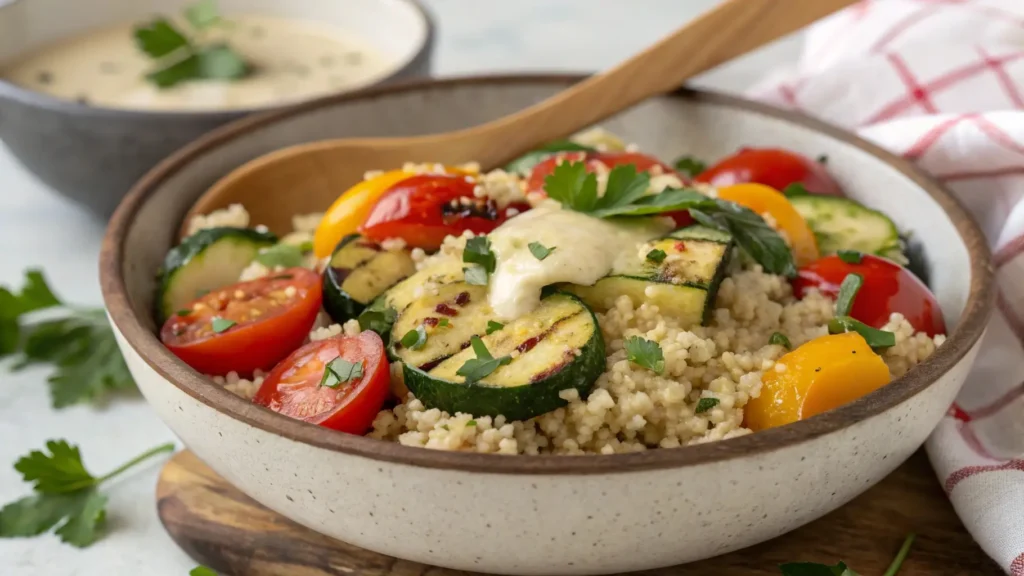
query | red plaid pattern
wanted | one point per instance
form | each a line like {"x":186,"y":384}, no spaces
{"x":942,"y":83}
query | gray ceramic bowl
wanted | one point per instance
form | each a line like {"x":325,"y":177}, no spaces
{"x":93,"y":155}
{"x":549,"y":514}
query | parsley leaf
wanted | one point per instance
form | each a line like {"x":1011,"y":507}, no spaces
{"x":78,"y":342}
{"x":415,"y":338}
{"x":657,"y":256}
{"x":645,"y":353}
{"x":478,"y":251}
{"x":874,"y":337}
{"x":669,"y":200}
{"x":201,"y":571}
{"x":66,"y":494}
{"x":625,"y":186}
{"x":705,"y":404}
{"x":814,"y":569}
{"x":340,"y":371}
{"x":689,"y":166}
{"x":795,"y":189}
{"x":475,"y":275}
{"x":59,"y":471}
{"x":850,"y":256}
{"x":571,"y":185}
{"x":540,"y":251}
{"x":221,"y":324}
{"x":847,"y":293}
{"x":203,"y":14}
{"x":752,"y":234}
{"x":780,"y":339}
{"x":159,"y":38}
{"x":493,"y":326}
{"x":280,"y":254}
{"x":476,"y":369}
{"x":379,"y":321}
{"x":442,"y":322}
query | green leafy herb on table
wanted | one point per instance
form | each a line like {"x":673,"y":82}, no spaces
{"x":626,"y":195}
{"x":841,"y":569}
{"x":180,"y":58}
{"x":65,"y":493}
{"x":77,"y":342}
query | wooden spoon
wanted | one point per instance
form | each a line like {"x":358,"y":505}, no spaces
{"x":313,"y":175}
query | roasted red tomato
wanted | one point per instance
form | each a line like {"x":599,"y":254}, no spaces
{"x":772,"y":167}
{"x":422,"y":210}
{"x":887,"y":288}
{"x":347,"y":401}
{"x":643,"y":163}
{"x":245,"y":326}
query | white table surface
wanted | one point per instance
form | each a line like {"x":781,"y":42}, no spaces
{"x":39,"y":229}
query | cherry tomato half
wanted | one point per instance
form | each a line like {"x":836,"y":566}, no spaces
{"x":260,"y":322}
{"x":773,"y":167}
{"x":887,"y":288}
{"x":643,"y":163}
{"x":422,"y":210}
{"x":293,"y":387}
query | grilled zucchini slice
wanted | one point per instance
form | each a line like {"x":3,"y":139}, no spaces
{"x":359,"y":271}
{"x":556,"y":347}
{"x":843,"y":224}
{"x":207,"y":260}
{"x":683,"y":284}
{"x":381,"y":313}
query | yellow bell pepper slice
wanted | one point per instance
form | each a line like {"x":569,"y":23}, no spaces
{"x":767,"y":200}
{"x":823,"y":374}
{"x":350,"y":209}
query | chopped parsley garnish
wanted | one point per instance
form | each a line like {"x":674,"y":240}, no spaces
{"x":482,"y":261}
{"x":77,"y":342}
{"x":184,"y":312}
{"x":657,"y":256}
{"x":379,"y":321}
{"x":280,"y":254}
{"x":780,"y":339}
{"x":442,"y":322}
{"x":689,"y":166}
{"x":795,"y":189}
{"x":626,"y":195}
{"x":645,"y":353}
{"x":415,"y":339}
{"x":179,"y":58}
{"x":850,"y":256}
{"x":705,"y":404}
{"x":540,"y":251}
{"x":493,"y":326}
{"x":873,"y":336}
{"x":65,"y":493}
{"x":471,"y":423}
{"x":221,"y":324}
{"x":201,"y":571}
{"x":340,"y":371}
{"x":476,"y":369}
{"x":847,"y":293}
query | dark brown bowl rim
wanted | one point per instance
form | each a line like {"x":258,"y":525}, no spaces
{"x":30,"y":97}
{"x":146,"y":344}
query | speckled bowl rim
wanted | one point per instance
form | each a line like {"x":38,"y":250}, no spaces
{"x":967,"y":332}
{"x":52,"y":103}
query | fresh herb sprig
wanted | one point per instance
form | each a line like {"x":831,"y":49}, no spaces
{"x":689,"y":166}
{"x":340,"y":371}
{"x":842,"y":323}
{"x":841,"y":569}
{"x":476,"y":369}
{"x":179,"y":57}
{"x":77,"y":342}
{"x":626,"y":195}
{"x":65,"y":493}
{"x":481,"y":260}
{"x":645,"y":354}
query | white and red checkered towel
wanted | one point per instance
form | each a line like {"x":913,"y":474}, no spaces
{"x":941,"y":82}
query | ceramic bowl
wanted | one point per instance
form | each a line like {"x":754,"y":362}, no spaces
{"x":549,"y":514}
{"x":94,"y":155}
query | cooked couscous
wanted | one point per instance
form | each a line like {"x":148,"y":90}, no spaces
{"x":674,"y":309}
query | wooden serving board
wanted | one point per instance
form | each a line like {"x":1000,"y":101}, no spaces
{"x":222,"y":528}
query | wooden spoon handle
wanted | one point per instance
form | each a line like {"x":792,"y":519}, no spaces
{"x":731,"y":29}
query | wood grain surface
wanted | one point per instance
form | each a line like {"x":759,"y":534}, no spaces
{"x":224,"y":529}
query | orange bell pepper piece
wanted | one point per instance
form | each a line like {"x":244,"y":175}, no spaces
{"x":823,"y":374}
{"x":767,"y":200}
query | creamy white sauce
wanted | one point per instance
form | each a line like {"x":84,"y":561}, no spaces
{"x":586,"y":249}
{"x":294,"y":60}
